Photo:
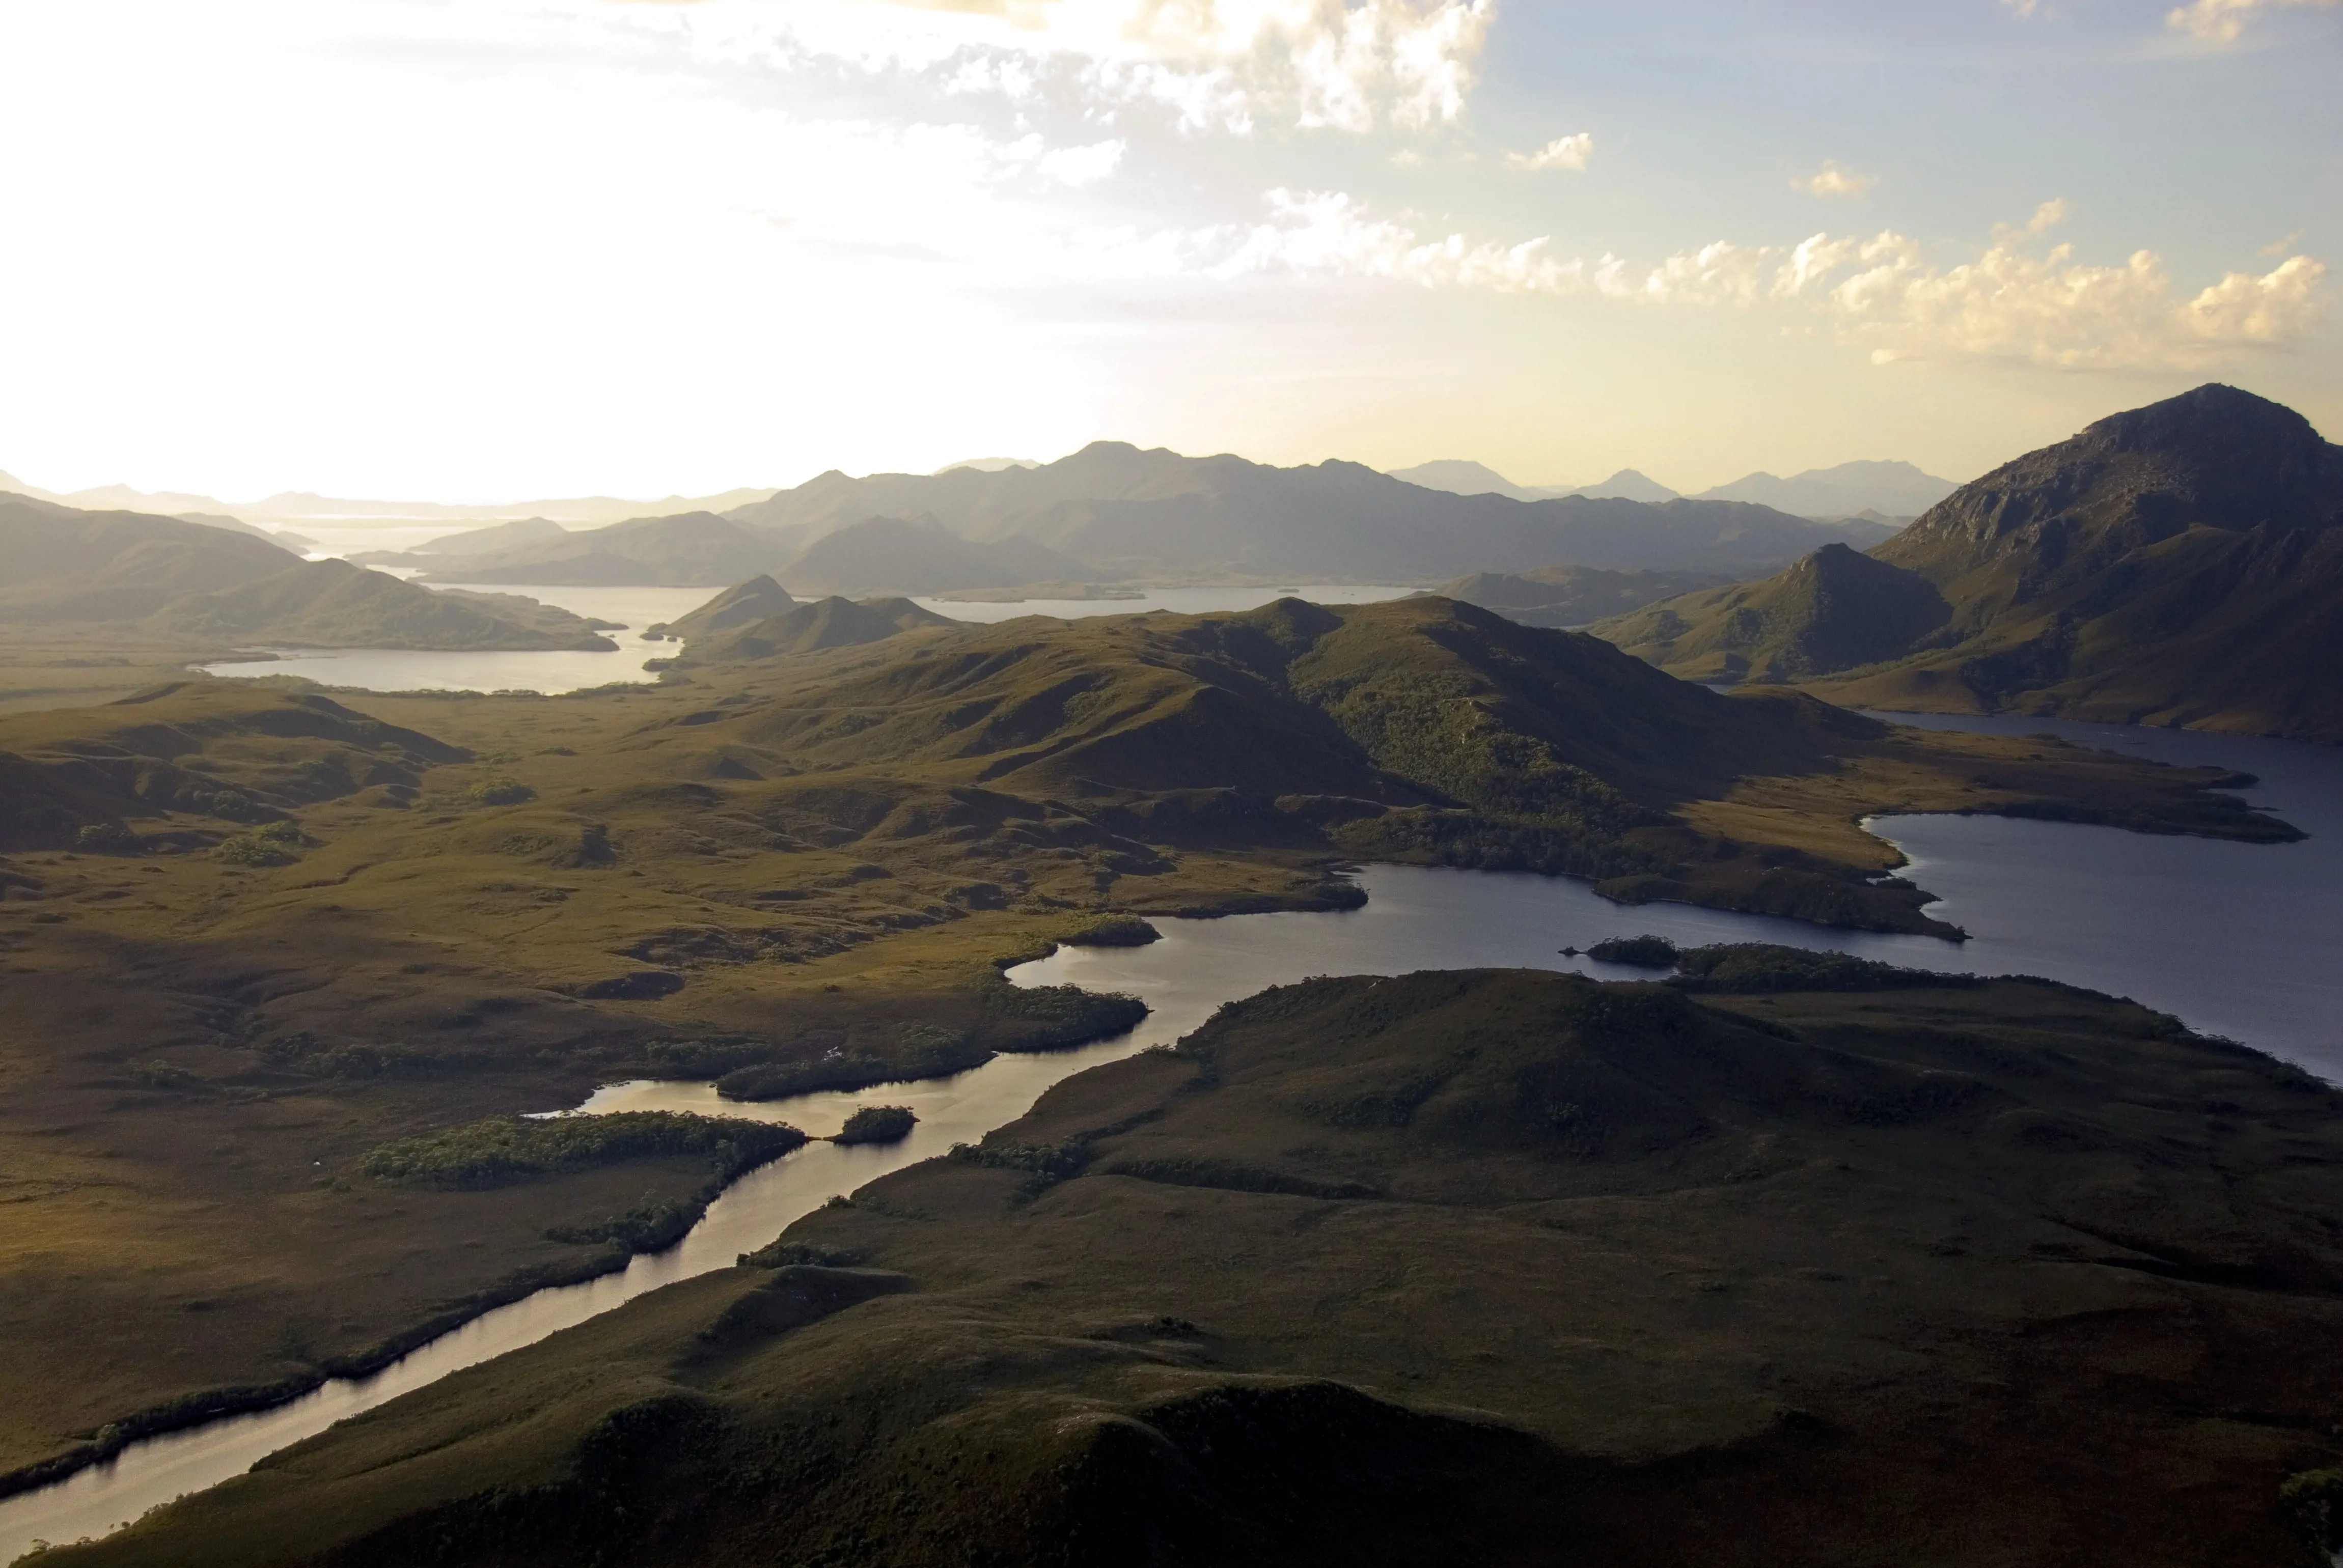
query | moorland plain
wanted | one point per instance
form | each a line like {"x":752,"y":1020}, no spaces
{"x":1796,"y":1259}
{"x":252,"y":936}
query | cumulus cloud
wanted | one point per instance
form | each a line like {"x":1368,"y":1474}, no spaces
{"x":1569,"y":152}
{"x":2225,"y":20}
{"x":1831,"y":180}
{"x":1346,"y":64}
{"x":1884,"y":294}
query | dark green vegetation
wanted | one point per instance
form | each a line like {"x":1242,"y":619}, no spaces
{"x":505,"y":1149}
{"x":877,"y":1124}
{"x":1492,"y":1267}
{"x":202,"y":589}
{"x":1573,"y":595}
{"x":1647,"y":952}
{"x":1112,"y":931}
{"x":2180,"y":564}
{"x":784,"y":873}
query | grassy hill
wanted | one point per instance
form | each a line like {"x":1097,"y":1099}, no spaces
{"x":58,"y":564}
{"x":2181,"y":564}
{"x":755,"y":599}
{"x":1830,"y":611}
{"x":333,"y":604}
{"x":1457,"y":1268}
{"x":329,"y":925}
{"x":1569,"y":597}
{"x":687,"y":550}
{"x":832,"y":622}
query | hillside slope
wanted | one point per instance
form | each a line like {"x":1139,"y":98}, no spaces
{"x":58,"y":564}
{"x":691,"y":550}
{"x":1454,"y":1268}
{"x":2180,"y":564}
{"x":1830,"y":611}
{"x":333,"y":604}
{"x":1569,"y":597}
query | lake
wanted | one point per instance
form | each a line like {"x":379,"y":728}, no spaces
{"x":2236,"y":939}
{"x":635,"y":608}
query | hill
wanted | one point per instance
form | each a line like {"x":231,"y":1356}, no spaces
{"x":1455,"y":1268}
{"x":832,"y":622}
{"x":2180,"y":564}
{"x":333,"y":604}
{"x":1626,"y":484}
{"x":58,"y":564}
{"x":1572,"y":596}
{"x":919,"y":556}
{"x":692,"y":550}
{"x":328,"y":926}
{"x":1833,"y":610}
{"x":1125,"y":514}
{"x":756,"y":599}
{"x":1414,"y":729}
{"x":1891,"y":489}
{"x":494,"y":539}
{"x":1462,"y":476}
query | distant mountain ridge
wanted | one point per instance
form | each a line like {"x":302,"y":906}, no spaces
{"x":2179,"y":564}
{"x":1890,"y":490}
{"x":302,"y":506}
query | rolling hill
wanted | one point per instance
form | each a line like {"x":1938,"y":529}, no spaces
{"x":692,"y":550}
{"x":1573,"y":596}
{"x":920,"y":556}
{"x":2180,"y":564}
{"x":333,"y":604}
{"x":1786,"y":1263}
{"x":58,"y":564}
{"x":832,"y":622}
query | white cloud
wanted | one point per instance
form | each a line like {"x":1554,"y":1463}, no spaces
{"x":1215,"y":65}
{"x":1569,"y":152}
{"x":2225,"y":20}
{"x":1883,"y":294}
{"x":1831,"y":180}
{"x":1081,"y":166}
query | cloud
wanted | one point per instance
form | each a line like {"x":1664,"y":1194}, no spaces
{"x":2225,"y":20}
{"x":1080,"y":167}
{"x":2011,"y":301}
{"x":1834,"y":181}
{"x":1225,"y":67}
{"x":1569,"y":152}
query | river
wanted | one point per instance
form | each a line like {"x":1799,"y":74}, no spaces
{"x":2237,"y":939}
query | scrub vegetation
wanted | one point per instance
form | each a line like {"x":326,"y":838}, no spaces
{"x":1455,"y":1267}
{"x":778,"y":874}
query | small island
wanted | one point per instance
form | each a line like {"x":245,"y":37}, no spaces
{"x":877,"y":1124}
{"x":1644,"y":952}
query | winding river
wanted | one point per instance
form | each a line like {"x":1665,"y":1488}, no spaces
{"x":2236,"y":939}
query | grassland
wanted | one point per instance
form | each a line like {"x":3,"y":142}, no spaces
{"x":463,"y":908}
{"x":1486,"y":1267}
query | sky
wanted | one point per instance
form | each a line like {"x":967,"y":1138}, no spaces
{"x":485,"y":250}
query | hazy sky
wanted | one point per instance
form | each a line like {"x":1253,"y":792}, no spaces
{"x":482,"y":249}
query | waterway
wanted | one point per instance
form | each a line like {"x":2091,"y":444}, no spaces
{"x":2234,"y":939}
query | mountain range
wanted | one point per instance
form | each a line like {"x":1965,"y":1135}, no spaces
{"x":2179,"y":564}
{"x":1886,"y":490}
{"x":1115,"y":513}
{"x":302,"y":506}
